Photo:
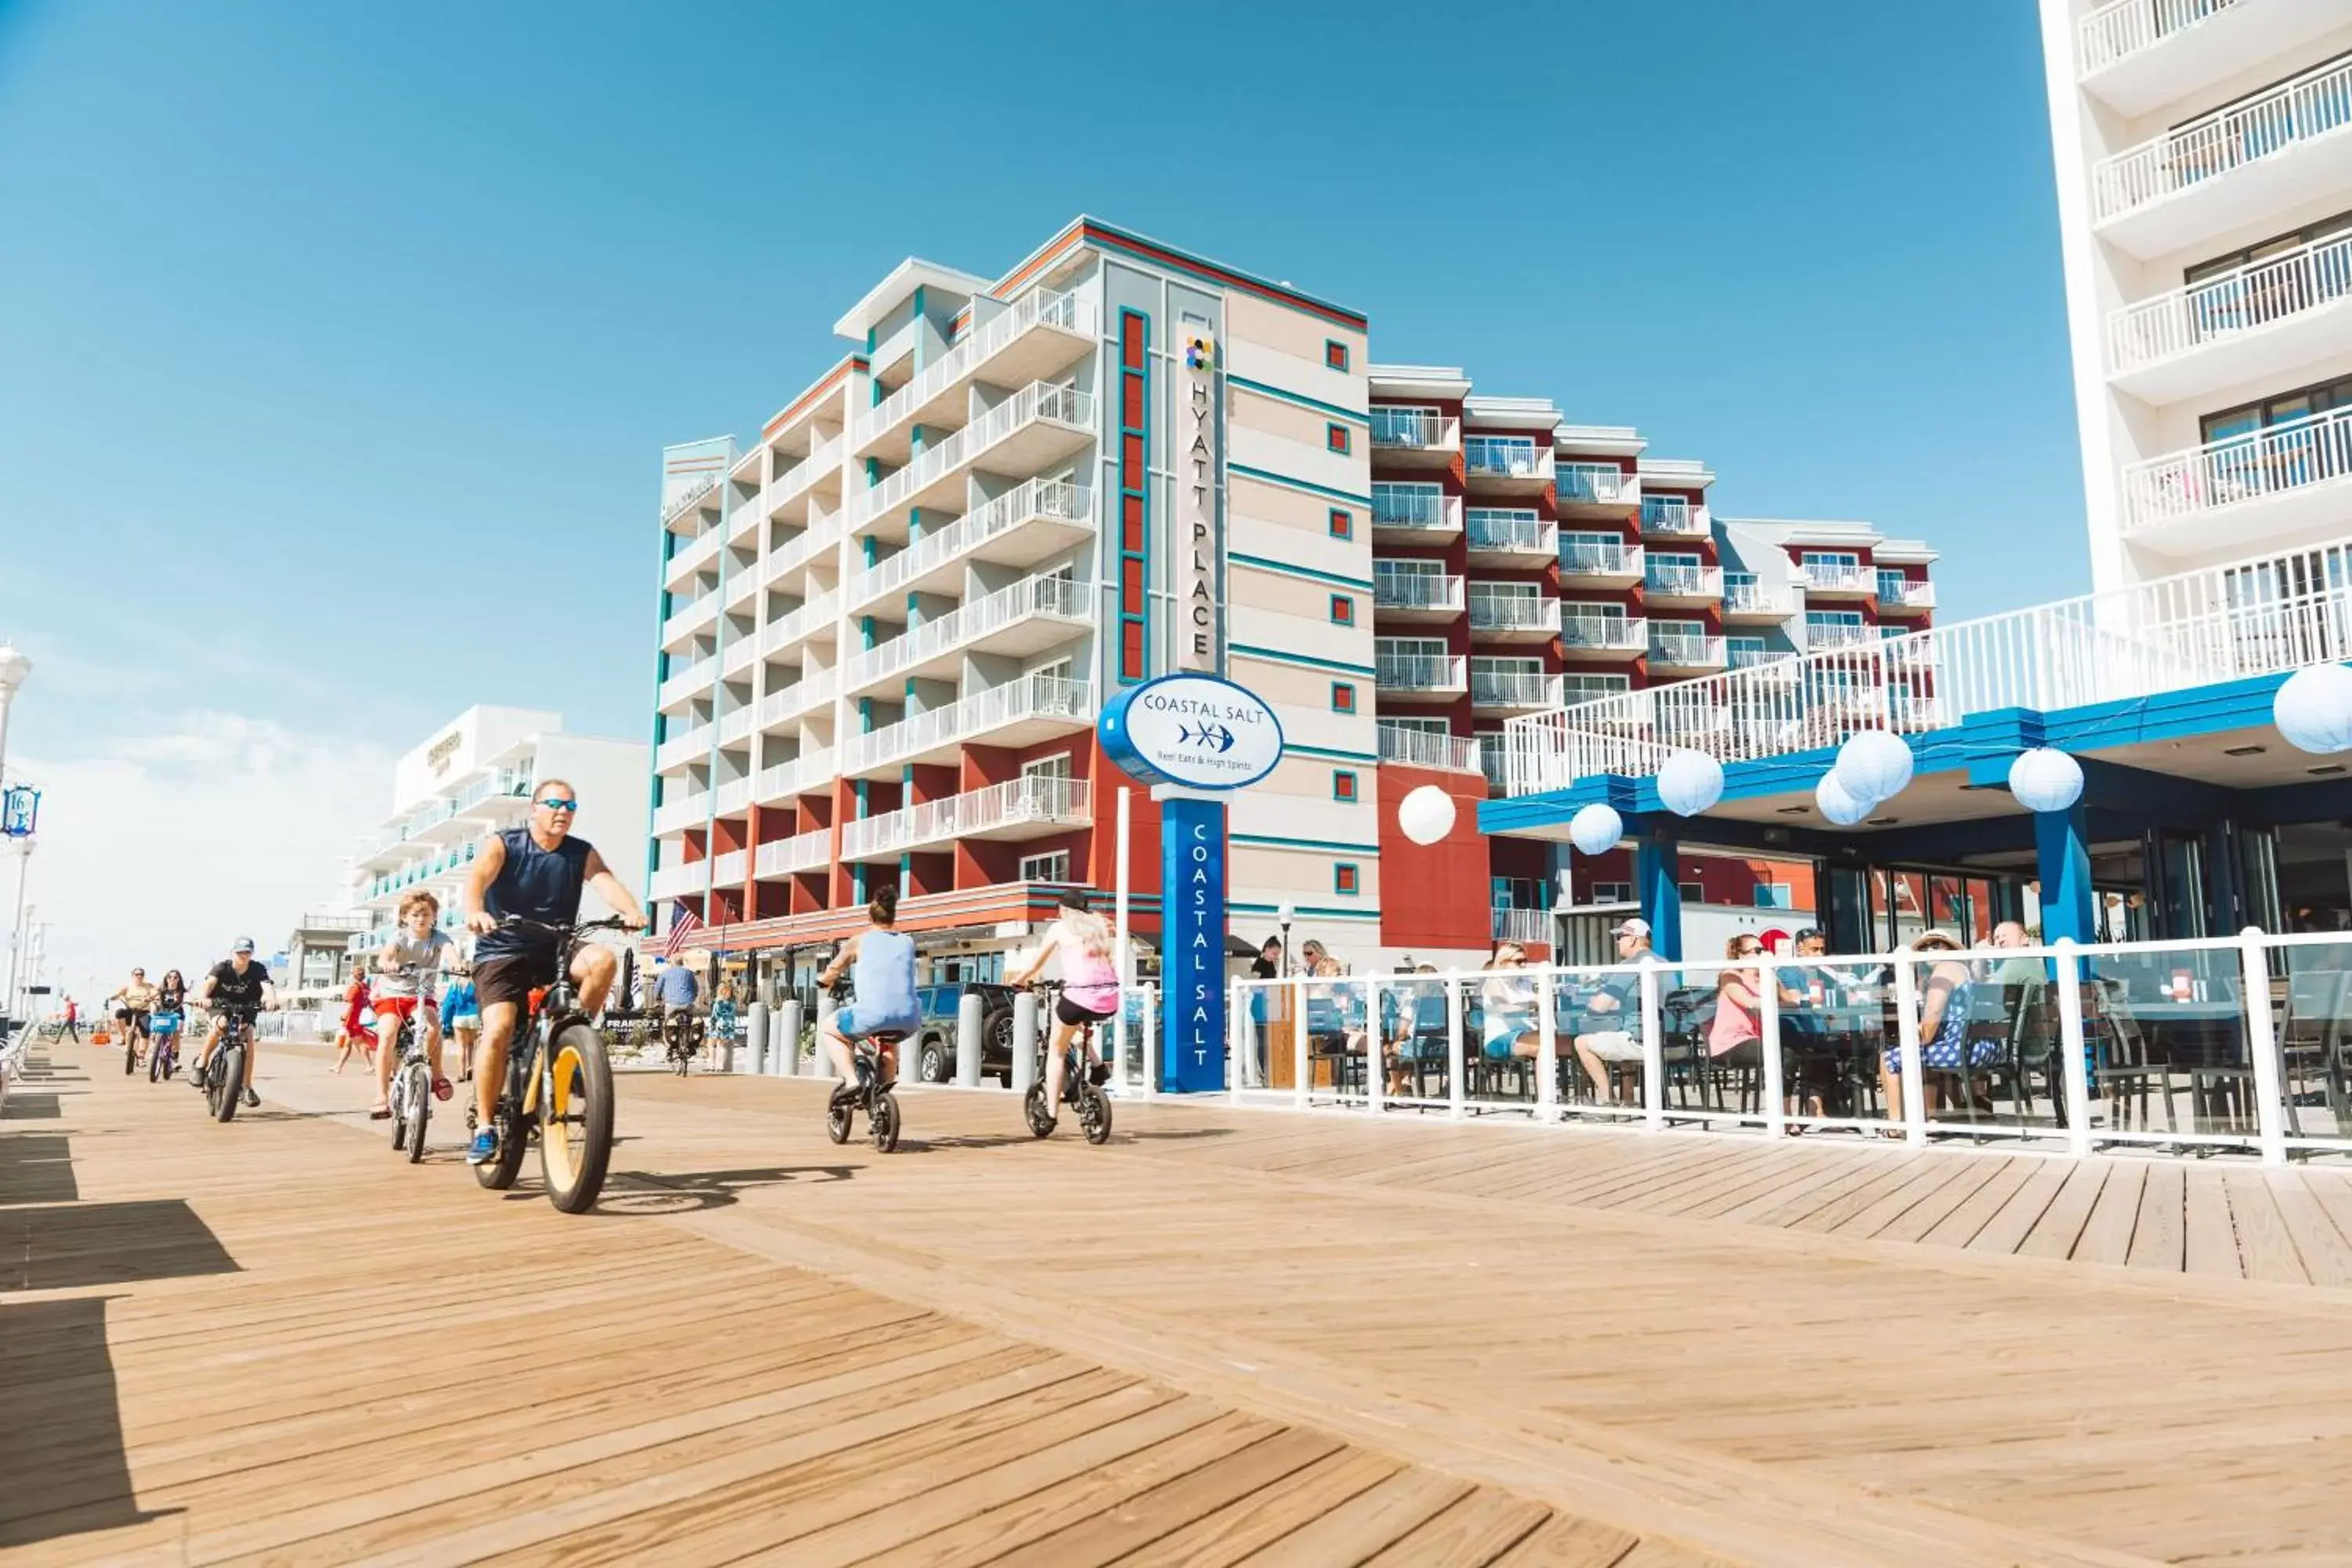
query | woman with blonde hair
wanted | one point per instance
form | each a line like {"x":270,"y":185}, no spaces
{"x":1085,"y":944}
{"x":1508,"y":1005}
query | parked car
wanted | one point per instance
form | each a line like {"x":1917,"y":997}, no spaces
{"x":934,"y":1053}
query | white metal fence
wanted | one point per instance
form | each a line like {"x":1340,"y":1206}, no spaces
{"x":2273,"y":461}
{"x":2312,"y":105}
{"x":2238,"y":301}
{"x":2128,"y":27}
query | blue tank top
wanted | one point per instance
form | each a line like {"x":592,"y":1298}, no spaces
{"x":538,"y":885}
{"x":885,"y":977}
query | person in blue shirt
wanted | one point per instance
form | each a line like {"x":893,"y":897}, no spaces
{"x":461,"y":1017}
{"x":884,"y":1001}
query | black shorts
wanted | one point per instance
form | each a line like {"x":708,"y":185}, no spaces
{"x":513,"y":977}
{"x":1069,"y":1012}
{"x":133,"y":1020}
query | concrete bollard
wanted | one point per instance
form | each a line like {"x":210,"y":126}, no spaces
{"x":755,"y":1040}
{"x":968,"y":1027}
{"x":822,"y":1062}
{"x":1025,"y":1041}
{"x":784,"y":1053}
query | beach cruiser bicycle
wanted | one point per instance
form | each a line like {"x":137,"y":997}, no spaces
{"x":559,"y":1085}
{"x":869,"y":1093}
{"x":163,"y":1048}
{"x":412,"y":1088}
{"x":223,"y":1076}
{"x":1080,"y":1093}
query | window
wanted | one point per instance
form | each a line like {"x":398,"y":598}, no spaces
{"x":2252,"y":416}
{"x":1337,"y":439}
{"x":1692,"y":893}
{"x":1343,"y":784}
{"x":2310,"y":233}
{"x":1407,"y":505}
{"x":1590,"y":688}
{"x":1583,"y":552}
{"x":1612,"y":892}
{"x":1345,"y":878}
{"x":1052,"y":868}
{"x":1407,"y":426}
{"x":1515,"y":893}
{"x":1343,"y":610}
{"x":1335,"y":354}
{"x":1343,"y":697}
{"x":1509,"y":455}
{"x":1343,"y":523}
{"x":1776,"y":896}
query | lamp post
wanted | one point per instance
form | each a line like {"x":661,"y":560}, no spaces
{"x":1285,"y":914}
{"x":14,"y":667}
{"x":23,"y":846}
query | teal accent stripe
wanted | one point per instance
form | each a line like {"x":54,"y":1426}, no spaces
{"x":1286,"y":482}
{"x":1327,"y":755}
{"x":1300,"y":658}
{"x":1300,"y":398}
{"x":1272,"y":841}
{"x":1322,"y":912}
{"x":1261,"y":564}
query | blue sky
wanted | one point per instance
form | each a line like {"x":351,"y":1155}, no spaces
{"x":344,"y":337}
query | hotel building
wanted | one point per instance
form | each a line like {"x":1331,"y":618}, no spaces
{"x":2204,"y":165}
{"x":889,"y":623}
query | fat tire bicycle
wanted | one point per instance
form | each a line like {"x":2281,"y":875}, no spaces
{"x":1079,"y":1090}
{"x":224,"y":1076}
{"x":559,"y":1085}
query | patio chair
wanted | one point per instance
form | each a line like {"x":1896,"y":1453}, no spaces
{"x":2313,"y":1042}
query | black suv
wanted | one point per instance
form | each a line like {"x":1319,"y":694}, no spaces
{"x":933,"y":1049}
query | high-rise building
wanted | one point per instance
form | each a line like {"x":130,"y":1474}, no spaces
{"x":2204,"y":165}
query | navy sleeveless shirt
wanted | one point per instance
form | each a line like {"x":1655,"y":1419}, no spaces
{"x":537,"y":884}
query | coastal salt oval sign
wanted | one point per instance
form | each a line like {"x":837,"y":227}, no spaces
{"x":1199,"y":731}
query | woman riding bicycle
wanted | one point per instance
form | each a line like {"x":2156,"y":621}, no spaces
{"x":885,"y":1003}
{"x":1085,"y":942}
{"x":171,"y":1011}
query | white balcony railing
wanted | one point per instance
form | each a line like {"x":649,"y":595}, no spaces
{"x":2128,"y":27}
{"x":1415,"y":508}
{"x":1908,"y":592}
{"x":682,"y":748}
{"x":677,"y":882}
{"x":1048,"y":697}
{"x":1419,"y":671}
{"x":1064,"y":406}
{"x":1015,"y":802}
{"x":1834,"y":576}
{"x":730,"y":869}
{"x":809,"y":771}
{"x":803,"y":852}
{"x":1838,"y":634}
{"x":1515,"y":535}
{"x":1686,"y":650}
{"x":1062,"y":501}
{"x":1044,"y":307}
{"x":1415,"y":590}
{"x":1525,"y":926}
{"x":686,"y":682}
{"x":737,"y":725}
{"x":1513,"y":689}
{"x":690,"y":617}
{"x":813,"y":689}
{"x":795,"y":626}
{"x":732,"y":798}
{"x":1755,"y":658}
{"x":822,"y":532}
{"x":1596,"y":484}
{"x":1586,"y":559}
{"x":1059,"y":598}
{"x":1422,"y":748}
{"x":823,"y":461}
{"x":2220,"y":308}
{"x":2310,"y":106}
{"x":2169,"y":634}
{"x":1683,"y":581}
{"x":1751,"y":597}
{"x":1673,"y":515}
{"x":689,"y":810}
{"x":2260,"y":464}
{"x":1409,"y":428}
{"x":1587,"y":630}
{"x":692,"y":556}
{"x":1490,"y":457}
{"x":1506,"y":611}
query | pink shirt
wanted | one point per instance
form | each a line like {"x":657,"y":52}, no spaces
{"x":1089,"y":980}
{"x":1733,"y":1024}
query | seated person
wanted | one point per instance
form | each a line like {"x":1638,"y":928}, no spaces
{"x":1611,"y":1031}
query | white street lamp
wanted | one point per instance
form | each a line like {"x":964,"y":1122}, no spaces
{"x":14,"y":667}
{"x":1285,"y":914}
{"x":16,"y":926}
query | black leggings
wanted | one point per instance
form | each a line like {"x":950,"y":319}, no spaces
{"x":1069,"y":1012}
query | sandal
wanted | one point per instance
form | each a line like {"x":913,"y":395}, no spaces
{"x":441,"y":1089}
{"x":380,"y":1112}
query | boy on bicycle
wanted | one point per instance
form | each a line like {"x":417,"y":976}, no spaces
{"x":405,"y":973}
{"x":885,"y":1003}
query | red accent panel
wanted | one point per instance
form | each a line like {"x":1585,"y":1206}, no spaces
{"x":1438,"y":894}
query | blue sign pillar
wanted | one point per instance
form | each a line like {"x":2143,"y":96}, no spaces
{"x":1192,"y":944}
{"x":1658,"y":883}
{"x":2062,"y":856}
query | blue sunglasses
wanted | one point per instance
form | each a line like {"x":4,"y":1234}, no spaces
{"x":557,"y":802}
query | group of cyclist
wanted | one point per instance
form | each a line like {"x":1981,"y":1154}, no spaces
{"x":149,"y":1017}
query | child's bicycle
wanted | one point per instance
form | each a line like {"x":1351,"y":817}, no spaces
{"x":164,"y":1052}
{"x":559,"y":1086}
{"x":1079,"y":1090}
{"x":412,"y":1090}
{"x":869,"y":1093}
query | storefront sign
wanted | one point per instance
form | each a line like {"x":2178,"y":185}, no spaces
{"x":1195,"y":535}
{"x":20,"y":811}
{"x":437,"y":759}
{"x":1199,"y":731}
{"x":1193,"y":945}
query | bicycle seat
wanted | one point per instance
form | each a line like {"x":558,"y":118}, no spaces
{"x":886,"y":1037}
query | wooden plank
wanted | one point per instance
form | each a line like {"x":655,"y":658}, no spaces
{"x":1570,"y":1544}
{"x":2060,"y":1228}
{"x":1476,"y":1530}
{"x":1960,"y":1226}
{"x":2262,"y":1241}
{"x":2327,"y":1256}
{"x":1236,"y":1532}
{"x":2006,"y":1230}
{"x":2211,"y":1239}
{"x":2161,"y":1234}
{"x":2107,"y":1235}
{"x":1370,"y":1523}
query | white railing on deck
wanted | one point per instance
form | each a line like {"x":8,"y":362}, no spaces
{"x":1050,"y":696}
{"x":2222,"y":307}
{"x":1044,"y":306}
{"x":693,"y":677}
{"x":803,"y":852}
{"x":1408,"y":427}
{"x":1415,"y":590}
{"x":1415,"y":508}
{"x":2128,"y":27}
{"x":1012,"y":803}
{"x":1686,"y":650}
{"x":823,"y":459}
{"x":1517,"y":535}
{"x":1578,"y":557}
{"x":1418,"y":671}
{"x":1058,"y":596}
{"x":809,"y":771}
{"x":816,"y":610}
{"x":1591,"y":631}
{"x":2277,"y":460}
{"x":1599,"y":484}
{"x":2310,"y":106}
{"x":1425,"y":749}
{"x":689,"y":812}
{"x":1524,"y":926}
{"x":672,"y":881}
{"x":2223,"y":623}
{"x":1674,"y":515}
{"x":1495,"y":457}
{"x":1061,"y":500}
{"x":814,"y":687}
{"x":1496,"y":610}
{"x":1512,"y":687}
{"x":1687,"y":582}
{"x":1038,"y":400}
{"x":729,"y":869}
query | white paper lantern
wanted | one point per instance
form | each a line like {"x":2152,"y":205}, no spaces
{"x":2314,"y":709}
{"x":1426,"y":815}
{"x":1690,"y":783}
{"x":1596,"y":829}
{"x":1874,"y":765}
{"x":1837,"y":804}
{"x":2045,"y":779}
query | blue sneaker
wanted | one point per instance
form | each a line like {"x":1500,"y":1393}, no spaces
{"x":484,"y":1148}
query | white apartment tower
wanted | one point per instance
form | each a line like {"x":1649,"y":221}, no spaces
{"x":2204,"y":166}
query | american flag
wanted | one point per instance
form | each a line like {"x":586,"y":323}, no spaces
{"x":684,"y":922}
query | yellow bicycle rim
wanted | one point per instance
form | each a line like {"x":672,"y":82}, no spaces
{"x":556,"y":1134}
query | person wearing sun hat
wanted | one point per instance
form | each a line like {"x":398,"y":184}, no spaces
{"x":1946,"y":999}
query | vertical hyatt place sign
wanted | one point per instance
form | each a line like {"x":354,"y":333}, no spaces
{"x":1195,"y":533}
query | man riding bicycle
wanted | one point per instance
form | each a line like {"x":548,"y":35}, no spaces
{"x":675,"y":990}
{"x":236,"y":984}
{"x":532,"y":873}
{"x":405,"y":971}
{"x":885,"y":1003}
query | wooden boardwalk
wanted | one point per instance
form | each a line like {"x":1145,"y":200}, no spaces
{"x":1229,"y":1336}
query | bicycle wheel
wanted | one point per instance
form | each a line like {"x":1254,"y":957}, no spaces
{"x":155,"y":1064}
{"x":229,"y":1062}
{"x":886,"y":1123}
{"x":575,"y":1136}
{"x":1039,"y":1116}
{"x":419,"y":1083}
{"x":837,"y":1116}
{"x":514,"y":1133}
{"x":1094,"y":1114}
{"x":130,"y":1054}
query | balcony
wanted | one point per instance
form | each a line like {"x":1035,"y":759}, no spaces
{"x":1838,"y":633}
{"x":1903,"y":595}
{"x":1583,"y":634}
{"x":1415,"y":437}
{"x":1512,"y":690}
{"x":1019,"y":808}
{"x":730,"y":869}
{"x":810,"y":772}
{"x":2232,"y":168}
{"x":1510,"y":466}
{"x":1034,"y":521}
{"x":1595,"y":489}
{"x":1526,"y":927}
{"x":818,"y":613}
{"x":1514,"y":540}
{"x":689,"y":880}
{"x":676,"y":752}
{"x":732,"y":798}
{"x":1415,"y":596}
{"x":1413,"y":675}
{"x":1021,"y":712}
{"x":676,"y":816}
{"x":2235,"y":327}
{"x":1837,"y":580}
{"x":1039,"y":425}
{"x":694,"y":680}
{"x":1674,"y":516}
{"x":696,"y":616}
{"x":690,"y":558}
{"x":1763,"y":658}
{"x":1599,"y":565}
{"x":2286,"y":479}
{"x":1668,"y":583}
{"x":1419,"y":748}
{"x":1746,"y":599}
{"x":2135,"y":55}
{"x":1026,"y":618}
{"x":812,"y":542}
{"x":1501,"y":616}
{"x":1038,"y":335}
{"x":1685,"y":651}
{"x":1414,"y":514}
{"x":796,"y":701}
{"x":737,"y":727}
{"x":783,"y":857}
